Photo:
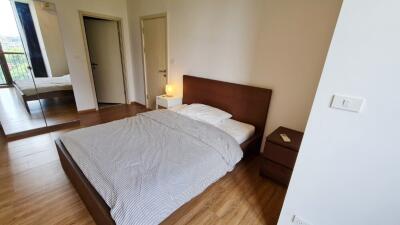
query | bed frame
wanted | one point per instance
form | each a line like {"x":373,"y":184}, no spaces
{"x":246,"y":104}
{"x":47,"y":95}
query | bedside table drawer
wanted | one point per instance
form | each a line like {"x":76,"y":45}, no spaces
{"x":275,"y":171}
{"x":280,"y":154}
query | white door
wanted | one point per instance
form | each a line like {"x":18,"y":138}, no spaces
{"x":105,"y":57}
{"x":155,"y":57}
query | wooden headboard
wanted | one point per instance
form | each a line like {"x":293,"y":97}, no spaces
{"x":246,"y":104}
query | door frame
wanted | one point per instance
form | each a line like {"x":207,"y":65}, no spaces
{"x":83,"y":14}
{"x":142,"y":19}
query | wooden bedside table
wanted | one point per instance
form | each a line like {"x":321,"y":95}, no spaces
{"x":167,"y":102}
{"x":279,"y":157}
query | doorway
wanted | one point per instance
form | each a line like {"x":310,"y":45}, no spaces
{"x":103,"y":38}
{"x":154,"y":46}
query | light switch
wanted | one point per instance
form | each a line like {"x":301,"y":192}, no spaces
{"x":352,"y":104}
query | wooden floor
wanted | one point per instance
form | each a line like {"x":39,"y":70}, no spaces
{"x":35,"y":190}
{"x":14,"y":117}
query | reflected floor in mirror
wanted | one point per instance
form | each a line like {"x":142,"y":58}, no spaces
{"x":15,"y":118}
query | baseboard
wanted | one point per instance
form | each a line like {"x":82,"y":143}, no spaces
{"x":87,"y":111}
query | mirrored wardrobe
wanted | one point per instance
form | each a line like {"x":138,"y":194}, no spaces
{"x":35,"y":85}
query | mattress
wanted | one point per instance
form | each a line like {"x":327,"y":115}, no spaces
{"x":147,"y":166}
{"x":238,"y":130}
{"x":44,"y":85}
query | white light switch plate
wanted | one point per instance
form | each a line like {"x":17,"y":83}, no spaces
{"x":352,"y":104}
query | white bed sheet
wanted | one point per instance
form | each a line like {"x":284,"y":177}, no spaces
{"x":44,"y":85}
{"x":238,"y":130}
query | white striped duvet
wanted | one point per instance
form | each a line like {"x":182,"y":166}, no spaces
{"x":145,"y":167}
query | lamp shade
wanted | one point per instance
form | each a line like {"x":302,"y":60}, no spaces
{"x":168,"y":90}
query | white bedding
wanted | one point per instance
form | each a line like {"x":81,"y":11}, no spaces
{"x":204,"y":113}
{"x":238,"y":130}
{"x":45,"y":84}
{"x":145,"y":167}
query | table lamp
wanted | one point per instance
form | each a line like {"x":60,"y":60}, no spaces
{"x":168,"y":90}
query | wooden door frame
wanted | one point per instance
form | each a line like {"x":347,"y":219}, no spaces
{"x":83,"y":14}
{"x":142,"y":19}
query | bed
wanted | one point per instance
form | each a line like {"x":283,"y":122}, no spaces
{"x":44,"y":88}
{"x":163,"y":130}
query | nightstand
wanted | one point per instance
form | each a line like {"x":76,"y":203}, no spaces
{"x":167,"y":102}
{"x":279,"y":157}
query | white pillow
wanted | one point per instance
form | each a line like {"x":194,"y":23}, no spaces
{"x":177,"y":107}
{"x":204,"y":113}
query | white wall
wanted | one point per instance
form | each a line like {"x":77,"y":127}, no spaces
{"x":68,"y":13}
{"x":48,"y":32}
{"x":347,"y":172}
{"x":277,"y":44}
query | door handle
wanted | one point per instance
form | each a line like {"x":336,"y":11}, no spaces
{"x":93,"y":65}
{"x":162,"y":71}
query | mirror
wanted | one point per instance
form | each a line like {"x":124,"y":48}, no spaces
{"x":55,"y":90}
{"x":36,"y":89}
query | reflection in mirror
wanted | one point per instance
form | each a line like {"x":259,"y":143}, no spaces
{"x":55,"y":90}
{"x":16,"y":115}
{"x":36,"y":87}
